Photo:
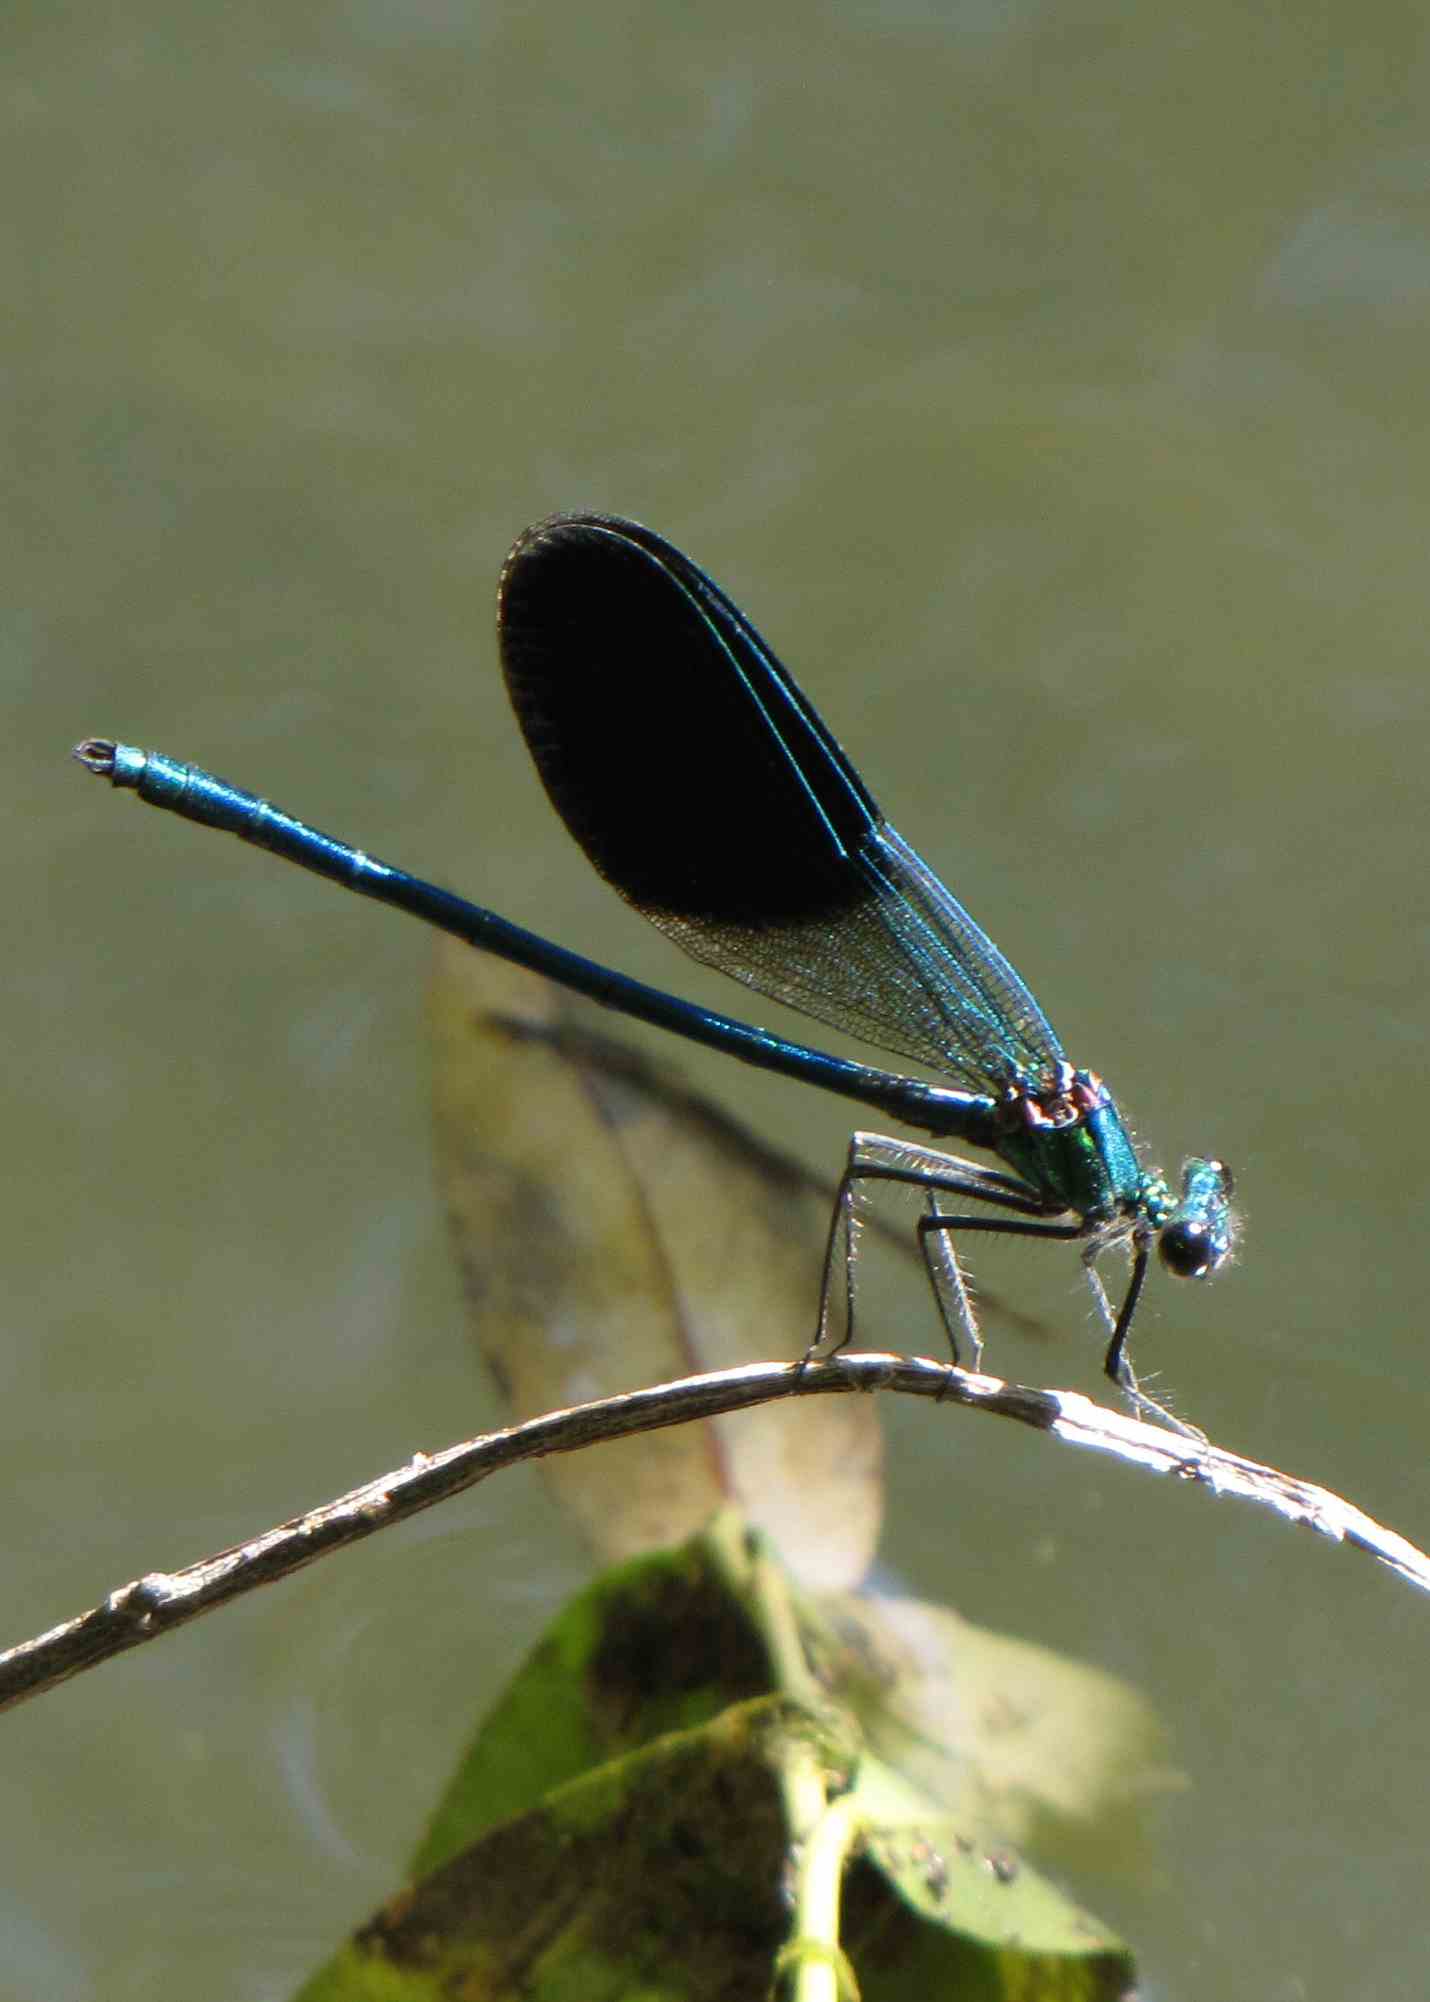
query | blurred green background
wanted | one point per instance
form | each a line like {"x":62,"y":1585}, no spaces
{"x":1048,"y":382}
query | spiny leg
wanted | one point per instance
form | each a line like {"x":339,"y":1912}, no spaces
{"x":1117,"y":1363}
{"x":872,"y":1157}
{"x":951,"y":1290}
{"x":949,"y":1270}
{"x":843,"y":1222}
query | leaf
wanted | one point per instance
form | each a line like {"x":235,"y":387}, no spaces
{"x":984,"y":1892}
{"x":622,"y":1826}
{"x":617,"y":1230}
{"x":660,"y":1874}
{"x":657,"y":1875}
{"x":657,"y":1644}
{"x":1022,"y":1743}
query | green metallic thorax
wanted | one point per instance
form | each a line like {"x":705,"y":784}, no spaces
{"x":1087,"y":1165}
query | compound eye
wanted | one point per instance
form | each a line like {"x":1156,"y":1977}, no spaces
{"x":1190,"y":1250}
{"x":1198,"y":1235}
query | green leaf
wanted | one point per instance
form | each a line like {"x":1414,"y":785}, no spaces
{"x":667,"y":1803}
{"x":657,"y":1875}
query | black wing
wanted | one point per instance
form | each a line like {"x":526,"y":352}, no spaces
{"x":704,"y":788}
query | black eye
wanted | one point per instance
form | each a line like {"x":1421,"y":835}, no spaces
{"x":1199,"y":1233}
{"x":1189,"y":1250}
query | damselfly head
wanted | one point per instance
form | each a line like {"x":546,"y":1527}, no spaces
{"x":1200,"y":1232}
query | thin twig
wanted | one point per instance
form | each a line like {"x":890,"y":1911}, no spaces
{"x":162,"y":1600}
